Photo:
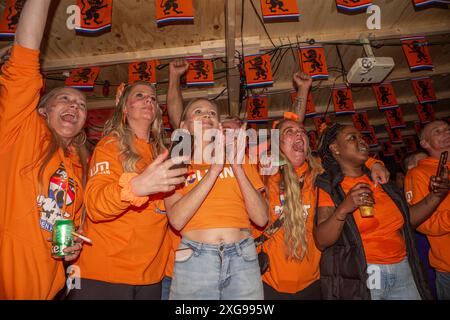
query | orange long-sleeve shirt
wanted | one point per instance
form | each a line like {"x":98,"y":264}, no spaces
{"x":28,"y":210}
{"x":130,"y":244}
{"x":436,"y":227}
{"x":285,"y":274}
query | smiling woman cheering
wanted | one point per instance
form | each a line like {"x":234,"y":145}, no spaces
{"x":362,"y":257}
{"x":42,"y":160}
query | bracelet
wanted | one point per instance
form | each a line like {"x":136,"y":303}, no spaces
{"x":127,"y":194}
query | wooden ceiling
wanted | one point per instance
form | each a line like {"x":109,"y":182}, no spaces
{"x":135,"y":36}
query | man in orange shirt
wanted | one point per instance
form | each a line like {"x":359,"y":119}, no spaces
{"x":432,"y":197}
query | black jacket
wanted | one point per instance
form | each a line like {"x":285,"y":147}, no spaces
{"x":343,"y":266}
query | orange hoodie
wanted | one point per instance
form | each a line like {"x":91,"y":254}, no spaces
{"x":28,"y":211}
{"x":285,"y":274}
{"x":130,"y":244}
{"x":436,"y":227}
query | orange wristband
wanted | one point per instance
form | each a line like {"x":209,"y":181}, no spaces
{"x":126,"y":194}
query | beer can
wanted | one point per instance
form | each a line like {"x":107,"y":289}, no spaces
{"x":62,"y":237}
{"x":366,"y":211}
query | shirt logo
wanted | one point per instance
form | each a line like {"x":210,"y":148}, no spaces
{"x":100,"y":168}
{"x":409,"y":196}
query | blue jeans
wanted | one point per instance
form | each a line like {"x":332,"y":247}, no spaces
{"x":165,"y":290}
{"x":392,"y":281}
{"x":216,"y":272}
{"x":443,"y":285}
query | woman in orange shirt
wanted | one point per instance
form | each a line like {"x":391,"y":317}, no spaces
{"x":216,"y":258}
{"x":128,"y":178}
{"x":42,"y":160}
{"x":362,"y":257}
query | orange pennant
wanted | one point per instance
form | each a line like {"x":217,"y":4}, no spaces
{"x":395,"y":118}
{"x":165,"y":117}
{"x":425,"y":112}
{"x":417,"y":53}
{"x":10,"y":17}
{"x":83,"y":78}
{"x":411,"y":145}
{"x":370,"y":138}
{"x":200,"y":72}
{"x":424,"y":3}
{"x":385,"y":96}
{"x":174,"y":12}
{"x":313,"y":137}
{"x":310,"y":106}
{"x":361,"y":122}
{"x":279,"y":10}
{"x":387,"y":149}
{"x":417,"y":127}
{"x":353,"y":5}
{"x":258,"y":71}
{"x":257,"y":109}
{"x":423,"y":87}
{"x":395,"y":135}
{"x":321,"y":122}
{"x":96,"y":16}
{"x":95,"y":121}
{"x":343,"y":101}
{"x":142,"y":71}
{"x":313,"y":62}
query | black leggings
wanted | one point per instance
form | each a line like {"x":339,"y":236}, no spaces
{"x":312,"y":292}
{"x":99,"y":290}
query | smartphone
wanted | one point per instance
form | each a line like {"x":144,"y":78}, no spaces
{"x":442,"y":163}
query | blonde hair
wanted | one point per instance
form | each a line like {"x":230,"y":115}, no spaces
{"x":118,"y":127}
{"x":294,"y":219}
{"x":55,"y":141}
{"x":189,"y":105}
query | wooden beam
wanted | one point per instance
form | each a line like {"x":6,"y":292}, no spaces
{"x":187,"y":95}
{"x":233,"y":78}
{"x":217,"y":48}
{"x":352,"y":37}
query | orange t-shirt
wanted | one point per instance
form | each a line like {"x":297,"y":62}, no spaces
{"x":27,"y":210}
{"x":436,"y":227}
{"x":285,"y":274}
{"x":381,"y":235}
{"x":224,"y":206}
{"x":130,"y":244}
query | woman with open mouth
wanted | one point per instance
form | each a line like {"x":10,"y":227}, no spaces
{"x":43,"y":164}
{"x":213,"y":210}
{"x":367,"y":253}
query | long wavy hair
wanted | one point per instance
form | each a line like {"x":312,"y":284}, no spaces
{"x":295,"y":221}
{"x":55,"y":142}
{"x":119,"y":127}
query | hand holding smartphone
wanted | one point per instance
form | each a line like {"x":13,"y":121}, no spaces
{"x":442,"y":163}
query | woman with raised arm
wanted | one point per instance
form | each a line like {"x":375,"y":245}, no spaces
{"x":292,"y":258}
{"x":42,"y":161}
{"x":213,"y":209}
